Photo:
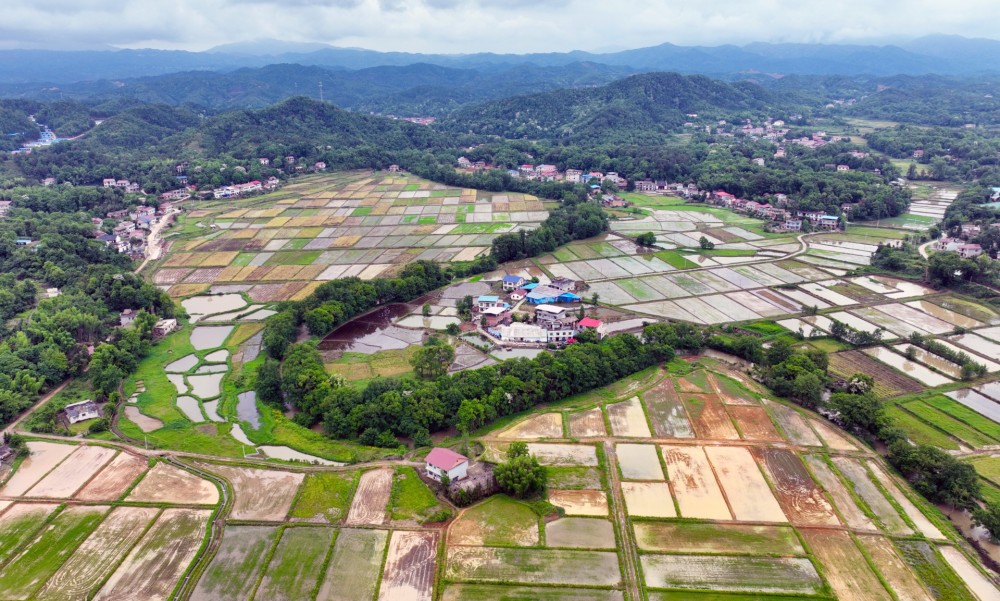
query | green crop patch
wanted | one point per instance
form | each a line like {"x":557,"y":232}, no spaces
{"x":410,"y":498}
{"x":326,"y":494}
{"x":663,"y":537}
{"x":237,"y":564}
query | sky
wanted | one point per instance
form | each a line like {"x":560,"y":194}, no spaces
{"x":465,"y":26}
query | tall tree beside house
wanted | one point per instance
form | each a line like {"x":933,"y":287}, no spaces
{"x":521,"y":475}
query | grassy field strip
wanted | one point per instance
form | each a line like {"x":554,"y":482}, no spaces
{"x":894,"y":570}
{"x":19,"y":524}
{"x":930,"y":567}
{"x":353,"y":570}
{"x":733,"y":573}
{"x":735,"y":539}
{"x":845,"y":568}
{"x":296,"y":565}
{"x":325,"y":494}
{"x":962,"y":413}
{"x":497,"y":521}
{"x":541,"y":566}
{"x":872,"y":495}
{"x":237,"y":564}
{"x":947,"y":424}
{"x":492,"y":592}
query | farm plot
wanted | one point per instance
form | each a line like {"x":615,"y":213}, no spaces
{"x":94,"y":560}
{"x":832,"y":437}
{"x":563,"y":454}
{"x":754,"y":423}
{"x":749,"y":496}
{"x":168,"y":484}
{"x":371,"y":498}
{"x":66,"y":478}
{"x":19,"y":523}
{"x":324,"y":496}
{"x":795,"y":426}
{"x":43,"y":457}
{"x":946,"y":315}
{"x":792,"y":575}
{"x":709,"y":417}
{"x":497,"y":521}
{"x":666,"y":411}
{"x":897,"y":574}
{"x":853,"y":516}
{"x":628,"y":419}
{"x":546,"y":425}
{"x":844,"y":566}
{"x":153,"y":567}
{"x":741,"y":539}
{"x":870,"y":493}
{"x":888,"y":382}
{"x":494,"y":592}
{"x":799,"y":496}
{"x":931,"y":568}
{"x":259,"y":495}
{"x":409,"y":567}
{"x":948,"y":424}
{"x":914,"y":370}
{"x":930,"y":359}
{"x":888,"y":322}
{"x":965,"y":415}
{"x":237,"y":564}
{"x":534,"y":566}
{"x":580,"y":533}
{"x":639,"y":462}
{"x":973,"y":578}
{"x":648,"y":499}
{"x":587,"y":423}
{"x":916,"y":516}
{"x":977,"y":344}
{"x":697,"y":492}
{"x":977,"y":402}
{"x":36,"y":563}
{"x":112,"y":482}
{"x":296,"y":564}
{"x":354,"y":565}
{"x":586,"y":503}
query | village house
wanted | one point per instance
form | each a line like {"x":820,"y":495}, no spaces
{"x":645,"y":185}
{"x":442,"y":462}
{"x":547,"y":295}
{"x":264,"y":161}
{"x":49,"y":181}
{"x":970,"y":251}
{"x":51,"y":292}
{"x":573,"y":176}
{"x":843,"y":168}
{"x":518,"y":294}
{"x":126,"y":317}
{"x":520,"y":332}
{"x":970,"y":230}
{"x":512,"y":282}
{"x":828,"y":222}
{"x":791,"y":225}
{"x":758,"y":161}
{"x":164,"y":327}
{"x":108,"y":182}
{"x":589,"y":323}
{"x":918,"y":153}
{"x":464,"y":163}
{"x":564,"y":284}
{"x":494,"y":316}
{"x":319,"y":166}
{"x":946,"y":244}
{"x":124,"y":228}
{"x":488,"y":300}
{"x":272,"y":183}
{"x":132,"y":188}
{"x":82,"y":411}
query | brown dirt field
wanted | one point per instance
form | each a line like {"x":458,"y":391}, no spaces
{"x":44,"y":456}
{"x":309,"y":288}
{"x":593,"y":503}
{"x":230,"y":273}
{"x":181,"y":290}
{"x":546,"y":425}
{"x":627,"y":418}
{"x":754,"y":423}
{"x":845,"y":567}
{"x":98,"y":555}
{"x":409,"y":567}
{"x":371,"y":498}
{"x":697,"y":492}
{"x":709,"y":417}
{"x":176,"y":260}
{"x":833,"y":437}
{"x":728,"y":397}
{"x":260,"y":273}
{"x":70,"y":475}
{"x":289,"y":289}
{"x":842,"y":498}
{"x":799,"y":496}
{"x":746,"y":489}
{"x":284,"y":272}
{"x":666,"y":411}
{"x":587,"y":423}
{"x":648,"y":499}
{"x":895,"y":571}
{"x":260,"y":495}
{"x":263,"y":293}
{"x":114,"y":479}
{"x":888,"y":383}
{"x":795,"y":426}
{"x":169,"y":484}
{"x":310,"y":272}
{"x":169,"y":276}
{"x":145,"y":423}
{"x":203,"y":275}
{"x":685,"y":385}
{"x":154,"y":566}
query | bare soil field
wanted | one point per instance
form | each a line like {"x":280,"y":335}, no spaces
{"x":793,"y":575}
{"x":580,"y":533}
{"x":844,"y":566}
{"x":589,"y":503}
{"x":498,"y":592}
{"x":729,"y":391}
{"x":673,"y":537}
{"x":44,"y":456}
{"x":648,"y":499}
{"x":916,"y":516}
{"x":754,"y":423}
{"x":666,"y":411}
{"x":628,"y":419}
{"x":746,"y":489}
{"x":539,"y":566}
{"x":546,"y":425}
{"x":866,"y":489}
{"x":708,"y":414}
{"x":154,"y":566}
{"x":833,"y":437}
{"x":587,"y":423}
{"x":497,"y":521}
{"x":168,"y":484}
{"x":695,"y":487}
{"x":409,"y":567}
{"x":563,"y":454}
{"x":237,"y":564}
{"x":94,"y":560}
{"x":259,"y":495}
{"x":799,"y":496}
{"x":849,"y":510}
{"x":145,"y":423}
{"x":354,"y":565}
{"x":795,"y":426}
{"x":639,"y":462}
{"x":896,"y":572}
{"x":72,"y":473}
{"x":371,"y":498}
{"x":112,"y":482}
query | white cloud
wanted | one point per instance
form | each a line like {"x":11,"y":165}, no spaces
{"x":481,"y":26}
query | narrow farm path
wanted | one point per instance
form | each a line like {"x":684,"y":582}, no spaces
{"x":629,"y":555}
{"x":922,"y":249}
{"x":12,"y":428}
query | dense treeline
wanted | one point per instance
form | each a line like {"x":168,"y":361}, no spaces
{"x":564,"y":224}
{"x":955,"y":154}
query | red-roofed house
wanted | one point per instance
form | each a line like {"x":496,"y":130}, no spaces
{"x":441,"y":461}
{"x":590,"y":323}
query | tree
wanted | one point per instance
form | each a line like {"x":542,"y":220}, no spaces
{"x":426,"y":309}
{"x":521,"y":475}
{"x":647,"y":239}
{"x":988,"y":517}
{"x":705,"y":243}
{"x":432,"y":360}
{"x":860,"y":384}
{"x":936,"y":474}
{"x":862,"y":411}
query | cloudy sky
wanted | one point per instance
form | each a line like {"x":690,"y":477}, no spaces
{"x":461,"y":26}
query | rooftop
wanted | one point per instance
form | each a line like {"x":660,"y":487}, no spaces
{"x":445,"y":459}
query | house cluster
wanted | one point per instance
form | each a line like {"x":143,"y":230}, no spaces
{"x":130,"y":235}
{"x":548,"y":173}
{"x":237,"y":190}
{"x":124,"y":184}
{"x":784,"y":219}
{"x":668,"y":188}
{"x":964,"y":249}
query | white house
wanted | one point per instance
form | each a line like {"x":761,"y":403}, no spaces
{"x":441,"y":461}
{"x":82,"y":411}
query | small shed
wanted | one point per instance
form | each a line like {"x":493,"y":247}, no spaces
{"x":82,"y":411}
{"x":441,"y":461}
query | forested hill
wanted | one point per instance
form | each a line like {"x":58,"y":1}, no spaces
{"x":642,"y":108}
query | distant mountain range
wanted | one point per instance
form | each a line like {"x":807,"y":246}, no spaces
{"x":946,"y":55}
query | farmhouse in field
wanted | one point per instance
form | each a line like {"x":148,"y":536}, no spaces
{"x":164,"y":327}
{"x":441,"y":462}
{"x":82,"y":411}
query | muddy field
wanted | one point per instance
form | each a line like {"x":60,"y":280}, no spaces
{"x":580,"y":533}
{"x":833,"y":437}
{"x":44,"y":456}
{"x":888,"y":383}
{"x":795,"y":426}
{"x":901,"y":579}
{"x":112,"y":482}
{"x":708,"y":414}
{"x":19,"y":522}
{"x":237,"y":564}
{"x":563,"y":454}
{"x":492,"y":592}
{"x":546,"y":425}
{"x":409,"y":567}
{"x":923,"y":524}
{"x":72,"y":473}
{"x":842,"y":498}
{"x":627,"y":419}
{"x":295,"y":566}
{"x":754,"y":423}
{"x":588,"y":503}
{"x":497,"y":521}
{"x":865,"y":488}
{"x":794,"y":575}
{"x":168,"y":484}
{"x":742,"y":539}
{"x":844,"y":566}
{"x":94,"y":560}
{"x":697,"y":492}
{"x":541,"y":566}
{"x":371,"y":498}
{"x":587,"y":423}
{"x":746,"y":489}
{"x":354,"y":565}
{"x":144,"y":422}
{"x":666,"y":411}
{"x":155,"y":565}
{"x":973,"y":578}
{"x":648,"y":499}
{"x":799,"y":496}
{"x":639,"y":462}
{"x":259,"y":495}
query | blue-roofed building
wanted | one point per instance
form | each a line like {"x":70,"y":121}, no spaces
{"x":547,"y":295}
{"x":530,"y":286}
{"x":512,"y":282}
